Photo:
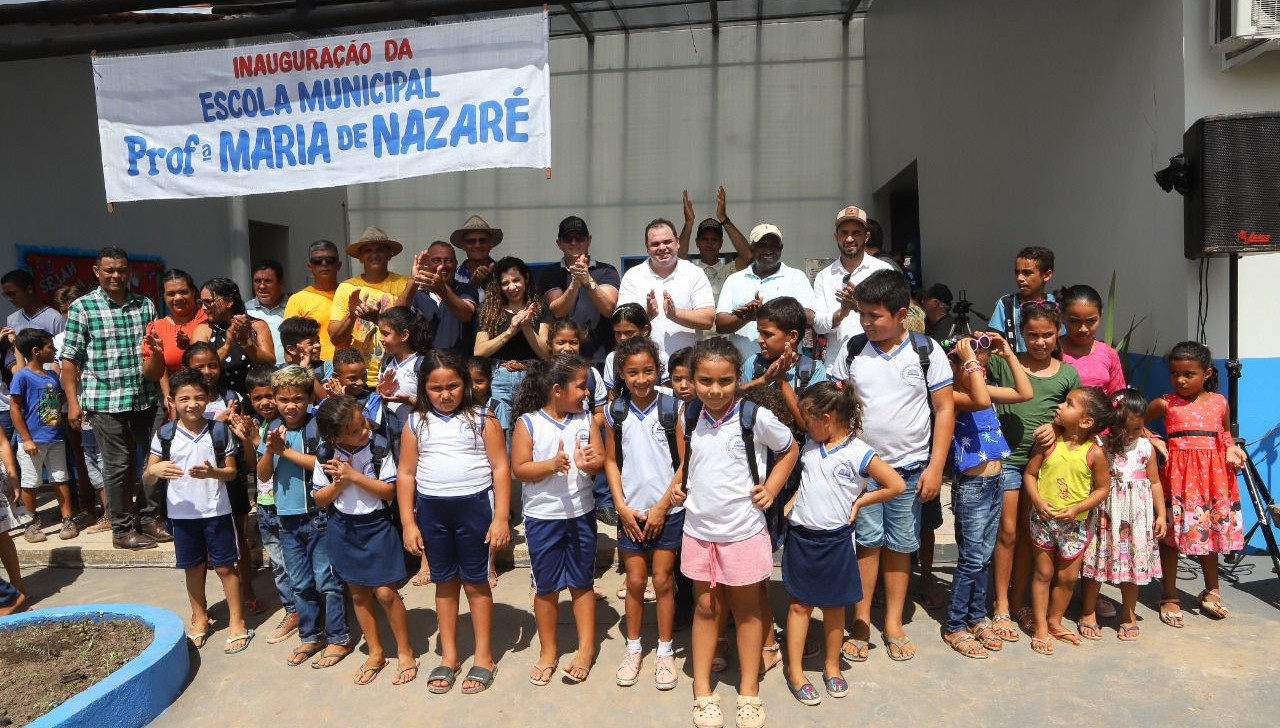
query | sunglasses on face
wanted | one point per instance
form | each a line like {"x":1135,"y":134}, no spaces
{"x":327,"y":260}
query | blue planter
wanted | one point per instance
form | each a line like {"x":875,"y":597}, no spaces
{"x":141,"y":689}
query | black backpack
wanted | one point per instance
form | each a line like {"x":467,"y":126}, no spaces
{"x":804,"y":371}
{"x":923,"y":346}
{"x":667,"y":404}
{"x":1010,"y":329}
{"x":310,"y":446}
{"x":219,"y":433}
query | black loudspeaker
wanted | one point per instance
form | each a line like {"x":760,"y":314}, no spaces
{"x":1233,"y":204}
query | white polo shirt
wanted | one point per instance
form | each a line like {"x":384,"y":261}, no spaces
{"x":689,"y":289}
{"x":831,"y":480}
{"x":743,"y":286}
{"x":719,"y":506}
{"x":894,"y":394}
{"x":187,"y":497}
{"x":825,"y":285}
{"x":646,"y":464}
{"x":452,"y":460}
{"x":558,"y":496}
{"x":354,"y":500}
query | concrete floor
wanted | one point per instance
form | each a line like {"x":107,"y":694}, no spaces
{"x":1209,"y":673}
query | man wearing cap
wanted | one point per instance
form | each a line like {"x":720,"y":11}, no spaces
{"x":447,"y":303}
{"x":674,"y":291}
{"x":833,"y":286}
{"x":475,"y":238}
{"x":316,"y":300}
{"x":765,"y":279}
{"x":937,"y":311}
{"x":710,"y":239}
{"x":353,"y":319}
{"x":582,"y":289}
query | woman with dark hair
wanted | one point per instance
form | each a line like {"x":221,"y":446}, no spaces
{"x":512,"y":327}
{"x":241,"y":340}
{"x":176,"y":328}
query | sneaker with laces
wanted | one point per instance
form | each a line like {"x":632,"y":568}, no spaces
{"x":707,"y":713}
{"x":629,"y":670}
{"x":102,"y":526}
{"x":664,"y":672}
{"x":33,"y":534}
{"x":68,"y":530}
{"x":286,"y":629}
{"x":750,"y":712}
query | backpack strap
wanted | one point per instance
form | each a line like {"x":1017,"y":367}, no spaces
{"x":591,"y":390}
{"x":747,"y":419}
{"x":804,"y":372}
{"x":219,"y":433}
{"x":757,"y":366}
{"x":853,"y":348}
{"x":692,"y":411}
{"x":617,"y":413}
{"x":166,"y":434}
{"x":667,"y":406}
{"x":1010,"y":330}
{"x":923,"y":346}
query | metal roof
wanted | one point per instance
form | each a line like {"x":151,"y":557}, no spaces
{"x":147,"y":24}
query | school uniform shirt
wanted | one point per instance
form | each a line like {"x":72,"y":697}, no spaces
{"x":719,"y":506}
{"x":558,"y":496}
{"x":743,"y":286}
{"x":825,"y":284}
{"x":646,"y":463}
{"x":41,"y":394}
{"x":610,"y":370}
{"x":406,"y":382}
{"x":290,"y":479}
{"x":228,"y":400}
{"x":830,"y":481}
{"x":894,"y":396}
{"x":599,"y":396}
{"x":689,"y":289}
{"x":452,"y":460}
{"x":354,"y":500}
{"x":187,"y":497}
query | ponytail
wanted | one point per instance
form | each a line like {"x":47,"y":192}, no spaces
{"x":835,"y":398}
{"x":535,"y":391}
{"x":402,"y":318}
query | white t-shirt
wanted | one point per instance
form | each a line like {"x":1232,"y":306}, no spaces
{"x":743,"y":286}
{"x":830,"y":482}
{"x":451,"y":457}
{"x":826,"y":283}
{"x":689,"y":289}
{"x":664,"y":377}
{"x":646,"y":462}
{"x":719,"y":506}
{"x":406,"y":381}
{"x":894,"y":398}
{"x":558,"y":497}
{"x":187,"y":497}
{"x":354,"y":500}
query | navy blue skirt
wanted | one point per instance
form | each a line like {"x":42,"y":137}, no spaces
{"x":820,"y":568}
{"x":365,"y":550}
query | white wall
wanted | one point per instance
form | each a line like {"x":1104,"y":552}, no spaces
{"x":1037,"y":124}
{"x":774,"y":114}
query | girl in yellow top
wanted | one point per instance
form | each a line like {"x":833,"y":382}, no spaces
{"x":1065,"y":482}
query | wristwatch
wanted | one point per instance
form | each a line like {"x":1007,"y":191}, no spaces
{"x":725,"y":221}
{"x":592,"y":285}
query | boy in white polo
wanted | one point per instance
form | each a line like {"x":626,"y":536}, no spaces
{"x":908,"y":421}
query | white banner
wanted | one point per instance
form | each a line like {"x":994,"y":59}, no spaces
{"x":327,"y":111}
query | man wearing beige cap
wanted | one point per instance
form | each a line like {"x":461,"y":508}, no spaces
{"x":353,"y":320}
{"x":475,"y":238}
{"x":833,"y":286}
{"x":765,"y":279}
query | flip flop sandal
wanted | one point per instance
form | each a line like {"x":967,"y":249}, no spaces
{"x":481,"y":675}
{"x":720,"y":662}
{"x":400,"y":679}
{"x":987,"y":636}
{"x":806,"y":694}
{"x":837,"y":687}
{"x":966,"y":644}
{"x":196,"y":640}
{"x":367,"y":675}
{"x":327,"y":655}
{"x":1070,"y":638}
{"x":421,"y":579}
{"x":858,"y":646}
{"x":901,"y":643}
{"x":1171,"y":618}
{"x":1008,"y":634}
{"x":247,"y":637}
{"x":301,"y":654}
{"x":540,"y":675}
{"x":1089,"y":630}
{"x":445,"y":673}
{"x":1042,"y":647}
{"x":1128,"y":633}
{"x":1212,"y":608}
{"x":573,"y":678}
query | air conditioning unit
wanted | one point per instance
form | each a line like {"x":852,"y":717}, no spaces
{"x":1238,"y":24}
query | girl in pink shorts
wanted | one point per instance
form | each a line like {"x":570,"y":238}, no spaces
{"x":726,"y":549}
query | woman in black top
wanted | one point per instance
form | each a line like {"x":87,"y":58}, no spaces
{"x":241,"y":340}
{"x":512,"y":328}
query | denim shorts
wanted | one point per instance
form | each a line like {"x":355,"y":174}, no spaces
{"x":896,"y":522}
{"x":1010,"y":477}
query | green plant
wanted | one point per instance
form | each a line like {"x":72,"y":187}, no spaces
{"x":1122,"y":344}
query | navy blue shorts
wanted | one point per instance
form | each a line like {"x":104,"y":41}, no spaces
{"x":205,"y":540}
{"x":453,"y":532}
{"x":669,"y":540}
{"x":820,"y":568}
{"x":562,"y":552}
{"x":365,"y":550}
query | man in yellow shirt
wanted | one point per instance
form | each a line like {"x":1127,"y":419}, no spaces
{"x":353,"y":318}
{"x":315,"y":301}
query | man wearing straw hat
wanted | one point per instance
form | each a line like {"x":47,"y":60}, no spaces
{"x":476,"y":239}
{"x":353,"y":320}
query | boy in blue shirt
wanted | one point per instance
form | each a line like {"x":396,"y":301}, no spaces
{"x":780,"y":327}
{"x":1032,"y":271}
{"x":289,"y":446}
{"x":37,"y":395}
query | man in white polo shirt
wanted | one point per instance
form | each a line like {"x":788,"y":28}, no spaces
{"x":765,"y":279}
{"x":833,"y":312}
{"x":675,"y":292}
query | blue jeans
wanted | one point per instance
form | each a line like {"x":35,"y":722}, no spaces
{"x":976,"y":501}
{"x":317,"y":593}
{"x":1010,"y":477}
{"x":269,"y":532}
{"x":896,"y":522}
{"x":503,"y":384}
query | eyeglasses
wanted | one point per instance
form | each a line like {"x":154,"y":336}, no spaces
{"x":327,"y":260}
{"x":1045,"y":304}
{"x":208,"y":302}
